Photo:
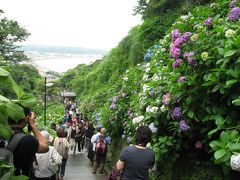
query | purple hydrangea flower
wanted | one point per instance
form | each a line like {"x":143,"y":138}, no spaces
{"x":192,"y":61}
{"x":177,"y":113}
{"x":175,"y":34}
{"x":185,"y":37}
{"x":188,"y":55}
{"x":177,"y":63}
{"x":234,"y":14}
{"x":130,"y":114}
{"x":113,"y":106}
{"x":115,"y":99}
{"x":232,"y":4}
{"x":175,"y":51}
{"x":181,"y":79}
{"x":178,"y":42}
{"x":209,"y":22}
{"x":183,"y":125}
{"x":166,"y":99}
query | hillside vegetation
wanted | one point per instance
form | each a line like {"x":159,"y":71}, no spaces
{"x":187,"y":90}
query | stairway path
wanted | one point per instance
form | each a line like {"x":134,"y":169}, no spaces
{"x":79,"y":168}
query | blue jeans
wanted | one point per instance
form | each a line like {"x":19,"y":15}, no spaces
{"x":63,"y":166}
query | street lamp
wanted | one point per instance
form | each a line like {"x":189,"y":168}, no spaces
{"x":45,"y":99}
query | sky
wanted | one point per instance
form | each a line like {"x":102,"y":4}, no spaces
{"x":97,"y":24}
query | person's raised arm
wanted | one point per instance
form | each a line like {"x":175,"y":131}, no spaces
{"x":43,"y":143}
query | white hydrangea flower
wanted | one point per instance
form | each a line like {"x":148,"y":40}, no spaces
{"x":127,"y":71}
{"x":147,"y":70}
{"x":153,"y":128}
{"x":162,"y":108}
{"x":163,"y":50}
{"x":184,"y":17}
{"x":138,"y":119}
{"x":148,"y":109}
{"x":147,"y":65}
{"x":230,"y":33}
{"x":145,"y":77}
{"x":145,"y":88}
{"x":155,"y":77}
{"x":154,"y":109}
{"x":125,"y":78}
{"x":148,"y":145}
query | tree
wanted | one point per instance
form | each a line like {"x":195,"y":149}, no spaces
{"x":10,"y":33}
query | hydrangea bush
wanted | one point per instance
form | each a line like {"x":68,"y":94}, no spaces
{"x":187,"y":89}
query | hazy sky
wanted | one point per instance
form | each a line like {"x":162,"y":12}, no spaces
{"x":86,"y":23}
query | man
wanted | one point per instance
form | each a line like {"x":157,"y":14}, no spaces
{"x":100,"y":151}
{"x":28,"y":145}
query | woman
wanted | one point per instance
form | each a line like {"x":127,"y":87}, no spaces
{"x":62,"y":146}
{"x":47,"y":164}
{"x":135,"y":161}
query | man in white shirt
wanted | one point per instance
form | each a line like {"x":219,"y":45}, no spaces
{"x":94,"y":137}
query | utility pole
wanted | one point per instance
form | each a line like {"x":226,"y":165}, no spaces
{"x":45,"y":102}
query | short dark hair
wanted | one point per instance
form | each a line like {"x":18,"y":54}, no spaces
{"x":143,"y":135}
{"x":60,"y":133}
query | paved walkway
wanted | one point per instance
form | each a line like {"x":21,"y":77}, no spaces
{"x":79,"y":168}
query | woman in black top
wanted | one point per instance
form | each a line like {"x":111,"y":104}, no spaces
{"x":136,"y":160}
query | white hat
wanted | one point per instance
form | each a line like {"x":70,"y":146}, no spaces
{"x":47,"y":136}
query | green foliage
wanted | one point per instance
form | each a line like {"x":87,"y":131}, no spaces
{"x":10,"y":33}
{"x":12,"y":108}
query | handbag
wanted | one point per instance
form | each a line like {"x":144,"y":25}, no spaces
{"x":114,"y":175}
{"x":235,"y":162}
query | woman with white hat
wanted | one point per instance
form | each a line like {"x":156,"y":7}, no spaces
{"x":46,"y":165}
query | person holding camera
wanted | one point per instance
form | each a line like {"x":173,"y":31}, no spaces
{"x":27,"y":145}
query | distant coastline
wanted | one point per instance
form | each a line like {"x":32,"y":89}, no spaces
{"x":61,"y":49}
{"x":51,"y":58}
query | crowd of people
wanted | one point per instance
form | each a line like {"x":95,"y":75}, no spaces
{"x":40,"y":156}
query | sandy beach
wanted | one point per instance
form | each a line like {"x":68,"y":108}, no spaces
{"x":60,"y":63}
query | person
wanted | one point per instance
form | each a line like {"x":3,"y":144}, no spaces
{"x":100,"y":152}
{"x":53,"y":126}
{"x":28,"y":145}
{"x":72,"y":132}
{"x":46,"y":165}
{"x":135,"y":161}
{"x":79,"y":137}
{"x":88,"y":135}
{"x":62,"y":146}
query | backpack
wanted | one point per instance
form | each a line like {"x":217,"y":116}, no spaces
{"x":6,"y":156}
{"x":55,"y":160}
{"x":73,"y":132}
{"x":101,"y":146}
